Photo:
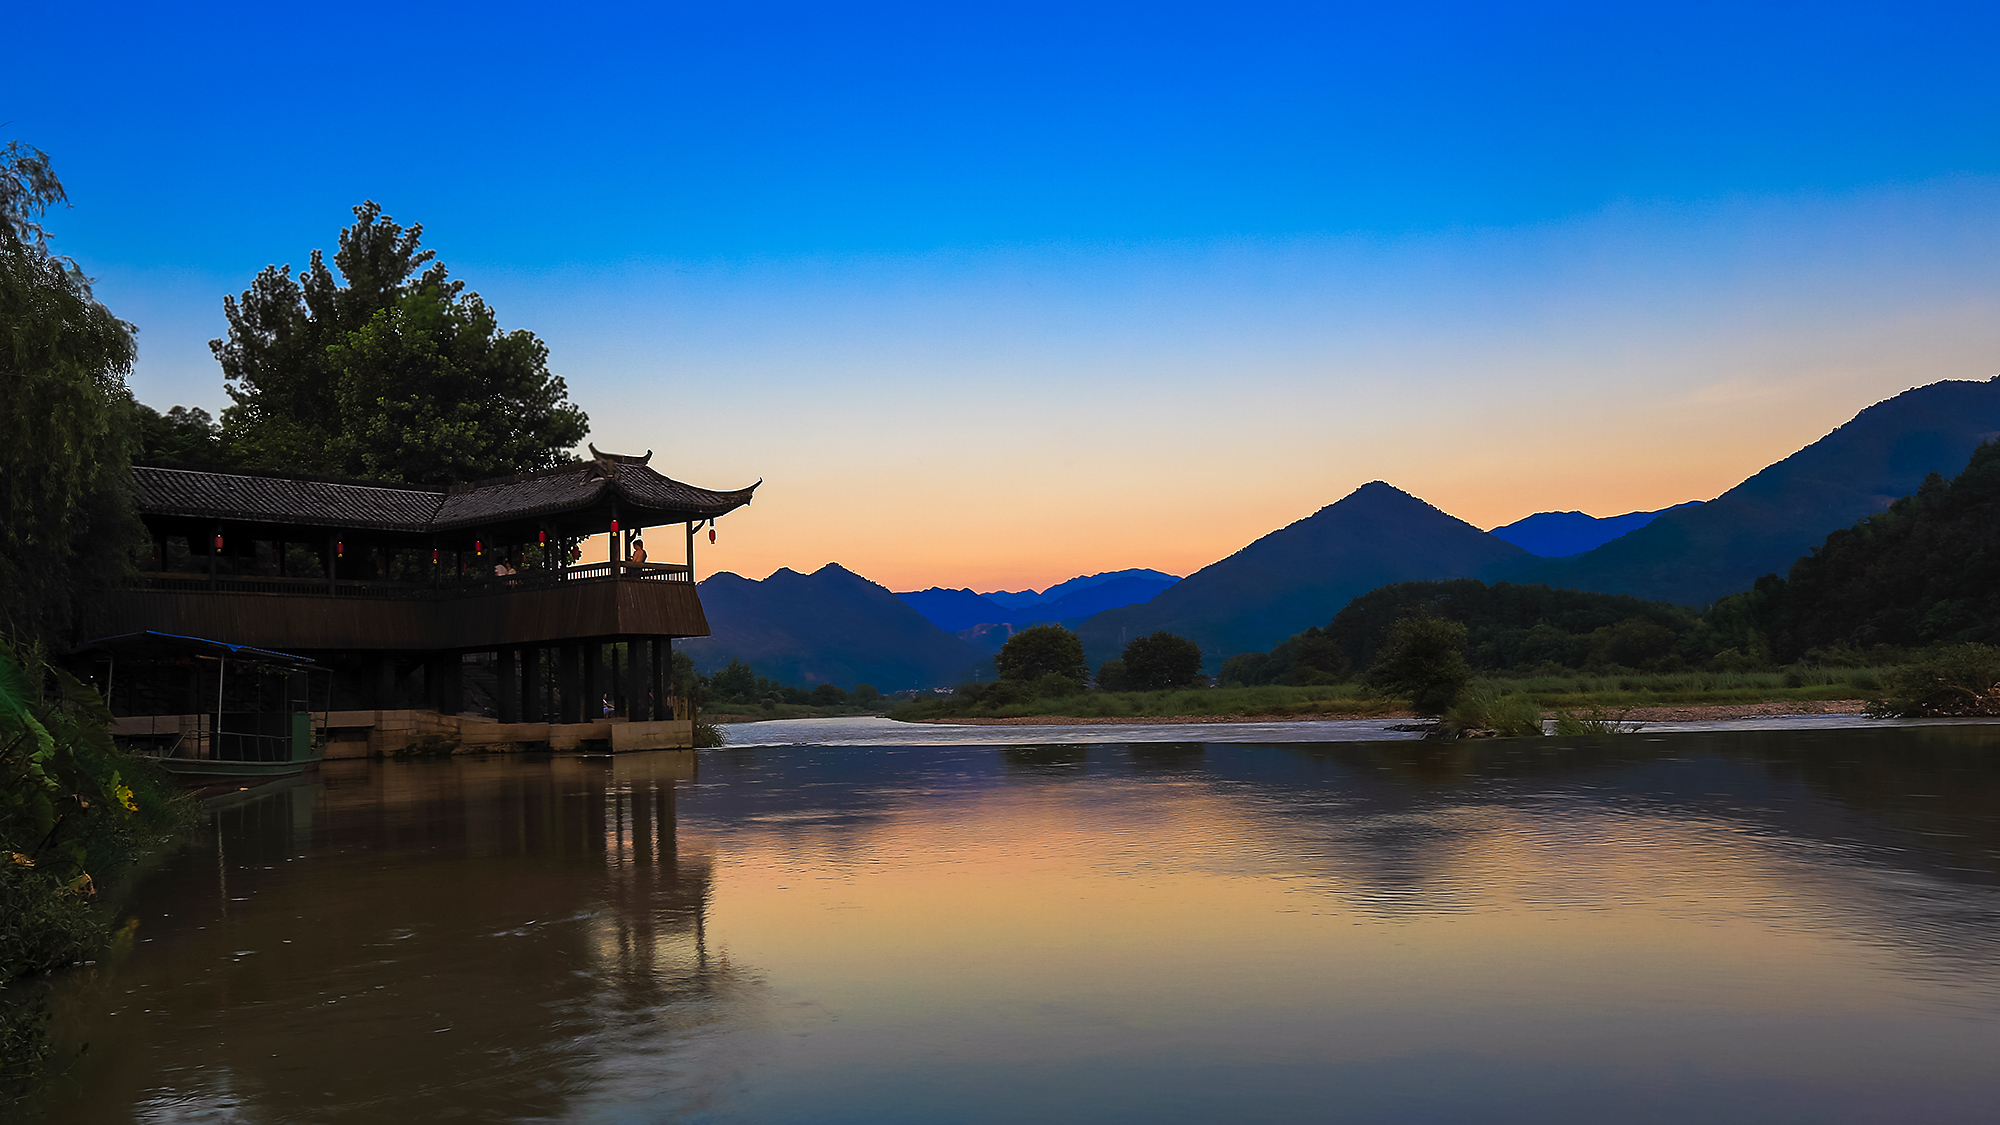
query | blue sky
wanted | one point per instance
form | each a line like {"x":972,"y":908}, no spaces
{"x":996,"y":296}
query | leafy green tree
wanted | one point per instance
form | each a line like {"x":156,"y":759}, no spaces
{"x":828,"y":695}
{"x":66,"y":430}
{"x":868,"y":695}
{"x":386,"y":373}
{"x":182,"y":438}
{"x":1161,"y":661}
{"x":1111,"y":676}
{"x":1422,"y":660}
{"x":736,"y":683}
{"x":1040,"y":651}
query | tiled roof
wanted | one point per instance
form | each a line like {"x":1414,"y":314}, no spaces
{"x":262,"y":499}
{"x":272,"y":499}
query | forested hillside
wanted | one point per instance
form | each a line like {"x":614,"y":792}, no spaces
{"x":1695,"y":555}
{"x":1508,"y":627}
{"x":1927,"y":571}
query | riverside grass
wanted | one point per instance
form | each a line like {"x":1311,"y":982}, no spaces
{"x":1582,"y":693}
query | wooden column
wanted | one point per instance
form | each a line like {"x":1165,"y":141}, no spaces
{"x":639,"y":681}
{"x":658,"y":655}
{"x":569,"y":680}
{"x":593,"y":682}
{"x":508,"y":669}
{"x":532,"y":710}
{"x":621,"y":700}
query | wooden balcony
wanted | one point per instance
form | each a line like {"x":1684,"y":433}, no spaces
{"x":318,"y":614}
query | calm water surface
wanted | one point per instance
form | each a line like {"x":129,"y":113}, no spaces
{"x":1763,"y":927}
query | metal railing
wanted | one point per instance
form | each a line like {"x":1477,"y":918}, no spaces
{"x":443,"y":586}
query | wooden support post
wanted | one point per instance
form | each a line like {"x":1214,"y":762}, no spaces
{"x":508,"y":669}
{"x":532,"y":710}
{"x":593,"y":682}
{"x":639,"y":677}
{"x":657,"y":656}
{"x":569,"y":679}
{"x":213,"y":551}
{"x":621,"y":700}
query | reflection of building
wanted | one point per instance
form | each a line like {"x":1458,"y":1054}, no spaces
{"x":441,"y":600}
{"x":485,"y":937}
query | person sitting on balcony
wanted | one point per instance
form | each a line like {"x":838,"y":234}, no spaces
{"x":638,"y":550}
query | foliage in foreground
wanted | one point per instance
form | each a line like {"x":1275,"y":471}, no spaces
{"x":75,"y":809}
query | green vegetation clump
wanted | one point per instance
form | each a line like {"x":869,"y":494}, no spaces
{"x":1958,"y":681}
{"x":1159,"y":661}
{"x":1422,"y":660}
{"x":738,"y":692}
{"x":1034,"y":654}
{"x":1486,"y":711}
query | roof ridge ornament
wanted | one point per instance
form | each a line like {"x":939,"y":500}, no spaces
{"x":607,"y":463}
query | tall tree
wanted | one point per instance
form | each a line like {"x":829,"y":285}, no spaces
{"x":66,"y":429}
{"x":390,"y":372}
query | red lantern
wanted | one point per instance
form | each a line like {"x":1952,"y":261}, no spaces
{"x":544,"y":537}
{"x":614,"y":527}
{"x":478,"y":547}
{"x":218,"y":542}
{"x":340,"y":549}
{"x":434,"y":556}
{"x":711,"y":535}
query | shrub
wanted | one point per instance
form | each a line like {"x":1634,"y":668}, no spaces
{"x":1422,"y":660}
{"x":1043,"y":650}
{"x":1478,"y":713}
{"x":1054,"y":685}
{"x":1961,"y":680}
{"x":1161,"y":661}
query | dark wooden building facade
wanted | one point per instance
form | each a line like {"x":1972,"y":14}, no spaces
{"x":405,"y":591}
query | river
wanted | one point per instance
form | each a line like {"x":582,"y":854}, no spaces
{"x":1759,"y":925}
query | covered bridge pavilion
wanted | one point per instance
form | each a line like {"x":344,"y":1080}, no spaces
{"x":411,"y":594}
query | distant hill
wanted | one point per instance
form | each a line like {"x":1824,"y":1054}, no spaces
{"x":953,"y":610}
{"x":1692,"y":556}
{"x":830,"y":626}
{"x":956,"y":611}
{"x":1556,"y":535}
{"x":1303,"y":574}
{"x":1024,"y":598}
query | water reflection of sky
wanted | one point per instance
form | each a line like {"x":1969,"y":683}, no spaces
{"x":1787,"y":925}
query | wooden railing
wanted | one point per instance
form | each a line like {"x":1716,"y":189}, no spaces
{"x":445,"y":586}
